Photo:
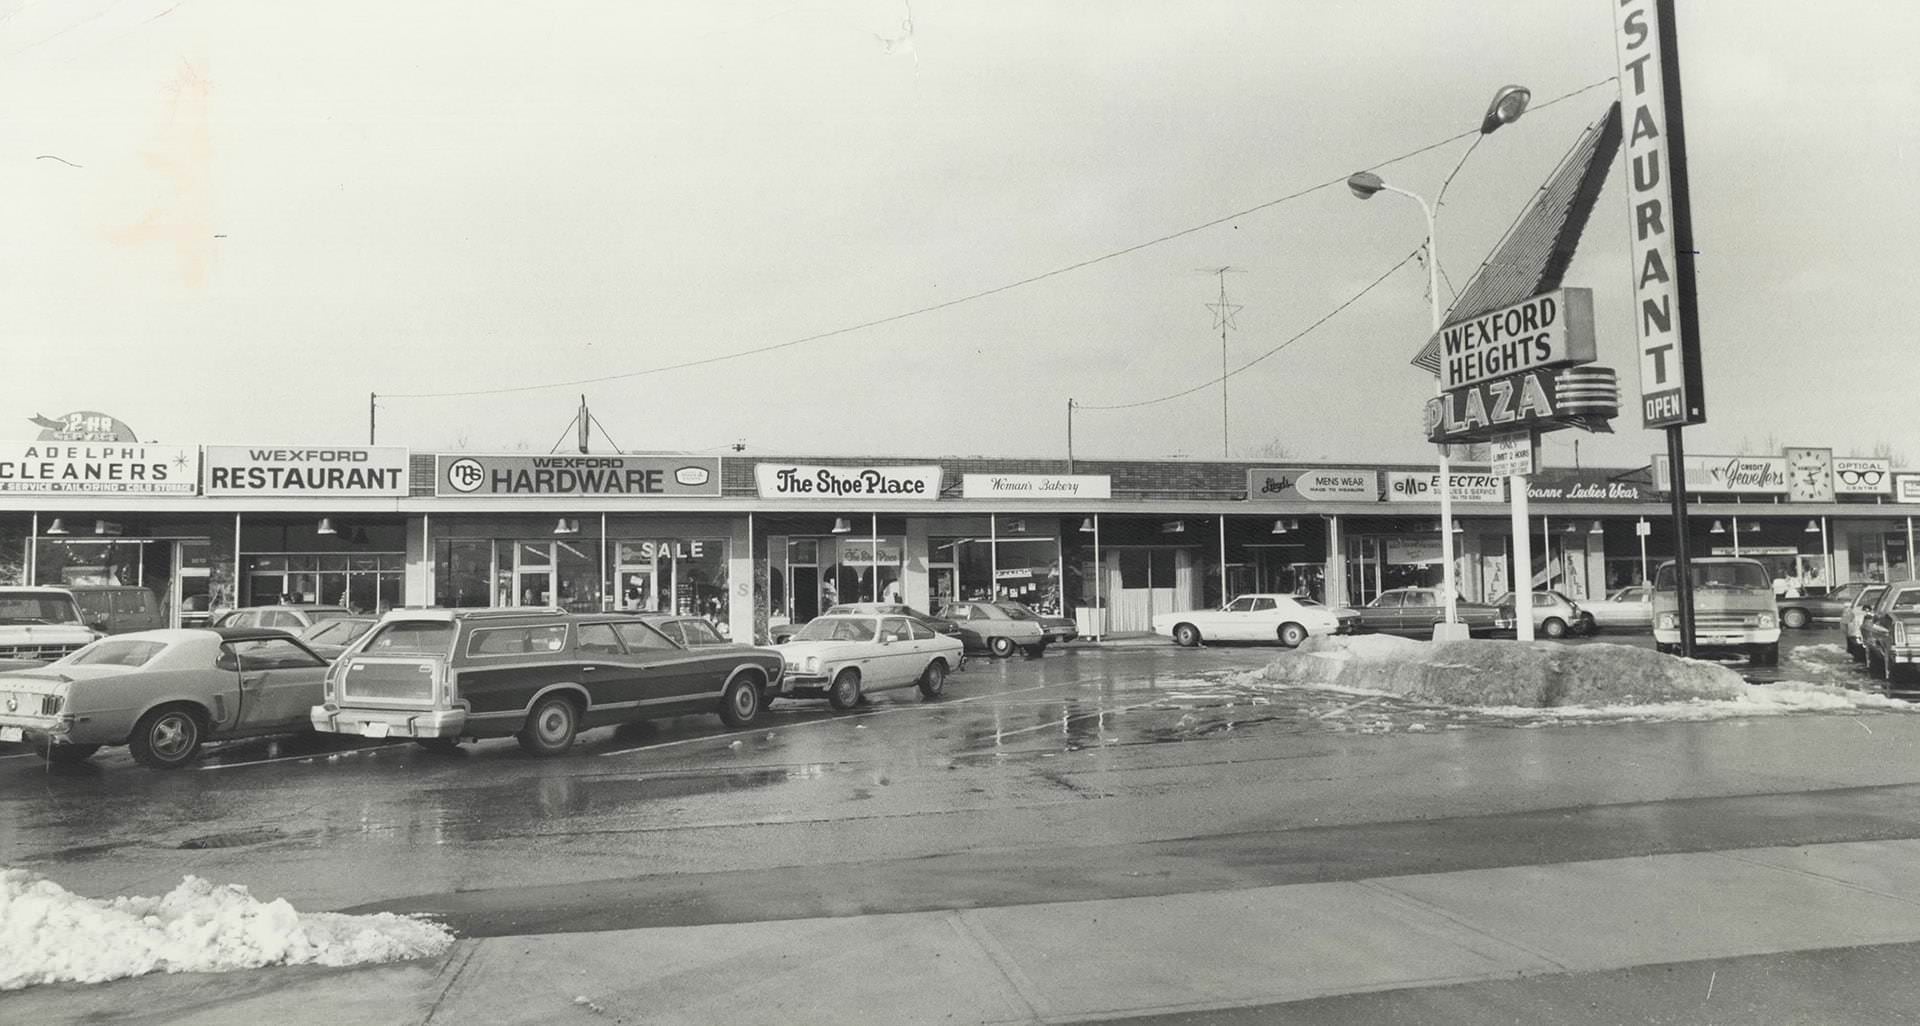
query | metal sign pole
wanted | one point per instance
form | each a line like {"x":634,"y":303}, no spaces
{"x":1682,"y":560}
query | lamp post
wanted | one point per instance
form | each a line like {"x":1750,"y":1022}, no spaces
{"x":1507,"y":106}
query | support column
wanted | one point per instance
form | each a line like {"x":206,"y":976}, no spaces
{"x":741,"y":598}
{"x":1336,"y":563}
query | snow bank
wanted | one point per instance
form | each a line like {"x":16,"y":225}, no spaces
{"x":1532,"y":675}
{"x":51,"y":935}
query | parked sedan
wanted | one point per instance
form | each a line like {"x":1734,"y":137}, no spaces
{"x":843,"y":656}
{"x":1057,"y":628}
{"x":163,"y":694}
{"x":1798,"y":611}
{"x":940,"y":624}
{"x":1855,"y":615}
{"x":1554,"y":614}
{"x":1288,"y":619}
{"x":1415,"y":611}
{"x":1627,"y":609}
{"x":330,"y":638}
{"x":292,"y":619}
{"x":1891,"y":635}
{"x":986,"y":627}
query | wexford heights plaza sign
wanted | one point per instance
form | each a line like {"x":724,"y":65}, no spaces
{"x":1521,"y":368}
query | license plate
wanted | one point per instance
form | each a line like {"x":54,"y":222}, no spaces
{"x":13,"y":734}
{"x":373,"y":730}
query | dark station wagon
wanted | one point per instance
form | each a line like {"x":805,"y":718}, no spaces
{"x":538,"y":675}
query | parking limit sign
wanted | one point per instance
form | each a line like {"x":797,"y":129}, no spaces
{"x":1511,"y":454}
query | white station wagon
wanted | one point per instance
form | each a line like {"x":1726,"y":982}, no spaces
{"x":1288,"y":619}
{"x":842,"y":656}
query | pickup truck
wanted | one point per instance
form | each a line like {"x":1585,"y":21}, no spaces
{"x":1733,"y":609}
{"x":39,"y":625}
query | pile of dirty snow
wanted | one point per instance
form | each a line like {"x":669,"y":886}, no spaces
{"x":51,"y":935}
{"x":1536,"y":675}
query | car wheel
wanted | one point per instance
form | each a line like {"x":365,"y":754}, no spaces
{"x":1554,"y":627}
{"x":1794,"y":618}
{"x":740,"y":702}
{"x":550,"y":727}
{"x":167,"y":738}
{"x":1292,"y":635}
{"x":439,"y":745}
{"x":845,"y":693}
{"x":933,"y":680}
{"x":66,"y":754}
{"x":1872,"y":659}
{"x":1002,"y":647}
{"x":1035,"y":651}
{"x":1186,"y":635}
{"x":1588,"y":625}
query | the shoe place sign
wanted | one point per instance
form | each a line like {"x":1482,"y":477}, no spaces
{"x":1522,"y":368}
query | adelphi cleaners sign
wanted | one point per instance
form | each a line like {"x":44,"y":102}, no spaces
{"x":82,"y":468}
{"x":333,"y":470}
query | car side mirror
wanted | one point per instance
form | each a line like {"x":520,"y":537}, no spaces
{"x":98,"y":623}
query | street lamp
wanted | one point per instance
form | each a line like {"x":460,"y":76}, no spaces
{"x":1507,"y":106}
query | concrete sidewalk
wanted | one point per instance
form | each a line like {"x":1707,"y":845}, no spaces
{"x":1063,"y":962}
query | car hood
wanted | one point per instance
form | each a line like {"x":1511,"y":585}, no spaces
{"x":825,"y":650}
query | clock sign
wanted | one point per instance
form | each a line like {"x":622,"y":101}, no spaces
{"x":1809,"y":474}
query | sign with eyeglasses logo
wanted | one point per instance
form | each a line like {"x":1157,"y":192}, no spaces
{"x":1862,"y":476}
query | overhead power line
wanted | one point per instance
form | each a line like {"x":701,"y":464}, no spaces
{"x":983,"y":293}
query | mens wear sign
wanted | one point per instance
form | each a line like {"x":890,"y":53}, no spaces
{"x":1729,"y":475}
{"x":613,"y":477}
{"x":1284,"y":484}
{"x":1036,"y":486}
{"x":97,"y":469}
{"x":1424,"y":486}
{"x":805,"y":481}
{"x":334,"y":470}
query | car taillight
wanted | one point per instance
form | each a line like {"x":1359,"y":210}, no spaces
{"x":50,"y":705}
{"x":1899,"y":632}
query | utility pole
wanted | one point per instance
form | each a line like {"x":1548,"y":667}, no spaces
{"x":370,"y":417}
{"x":1223,"y":312}
{"x":1069,"y":436}
{"x":586,"y":422}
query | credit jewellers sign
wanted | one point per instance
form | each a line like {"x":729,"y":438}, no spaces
{"x":1660,"y":222}
{"x":614,"y":477}
{"x":332,"y":470}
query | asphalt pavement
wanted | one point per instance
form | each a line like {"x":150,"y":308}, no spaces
{"x":1121,"y":830}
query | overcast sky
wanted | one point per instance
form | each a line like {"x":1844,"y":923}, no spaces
{"x":232,"y":221}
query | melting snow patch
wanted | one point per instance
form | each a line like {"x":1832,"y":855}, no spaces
{"x":1759,"y":700}
{"x":51,"y":935}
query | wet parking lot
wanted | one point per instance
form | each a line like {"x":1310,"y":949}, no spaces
{"x":1087,"y":746}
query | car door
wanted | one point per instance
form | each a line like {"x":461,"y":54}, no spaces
{"x":609,"y":676}
{"x":1261,"y":622}
{"x":1383,"y":613}
{"x":1418,"y":611}
{"x":961,"y":613}
{"x":665,"y":672}
{"x":1228,"y":623}
{"x":899,"y":658}
{"x":280,"y":681}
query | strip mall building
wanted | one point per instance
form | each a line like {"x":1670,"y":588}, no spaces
{"x":749,"y":540}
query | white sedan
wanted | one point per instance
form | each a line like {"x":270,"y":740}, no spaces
{"x":1288,"y":619}
{"x":1626,"y":609}
{"x":843,"y":656}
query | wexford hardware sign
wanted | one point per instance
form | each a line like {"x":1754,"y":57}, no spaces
{"x":611,"y":477}
{"x":333,"y":470}
{"x":82,"y":468}
{"x":806,"y":481}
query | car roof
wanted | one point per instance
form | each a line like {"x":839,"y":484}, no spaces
{"x":306,"y":606}
{"x":36,"y":589}
{"x":248,"y":633}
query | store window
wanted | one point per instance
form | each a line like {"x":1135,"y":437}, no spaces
{"x":684,"y":576}
{"x":1026,"y":570}
{"x":364,"y":583}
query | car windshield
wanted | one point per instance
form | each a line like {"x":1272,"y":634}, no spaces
{"x":1302,"y":600}
{"x":426,"y":637}
{"x":836,"y":628}
{"x":337,"y":632}
{"x":316,"y":615}
{"x":1016,"y":611}
{"x":1718,"y":576}
{"x":30,"y":608}
{"x":117,"y":653}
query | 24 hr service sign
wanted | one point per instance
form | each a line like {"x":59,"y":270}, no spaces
{"x":613,"y":477}
{"x":329,"y":470}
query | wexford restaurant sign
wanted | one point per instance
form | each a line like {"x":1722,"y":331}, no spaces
{"x":1745,"y":475}
{"x":334,"y":470}
{"x":806,"y":481}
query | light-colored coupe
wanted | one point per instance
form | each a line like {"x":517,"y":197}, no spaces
{"x":1626,"y":609}
{"x":163,"y":694}
{"x":1288,"y":619}
{"x":843,"y":656}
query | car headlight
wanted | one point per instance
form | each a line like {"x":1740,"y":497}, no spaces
{"x":813,"y":664}
{"x":1669,"y":622}
{"x":1765,"y":621}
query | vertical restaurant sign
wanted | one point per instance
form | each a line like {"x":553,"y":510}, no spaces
{"x":83,"y":468}
{"x":319,"y":470}
{"x":1856,"y":475}
{"x":1424,"y":486}
{"x":1314,"y":484}
{"x":1660,"y":229}
{"x":607,"y":477}
{"x":1906,"y":488}
{"x":1747,"y":475}
{"x":806,"y":481}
